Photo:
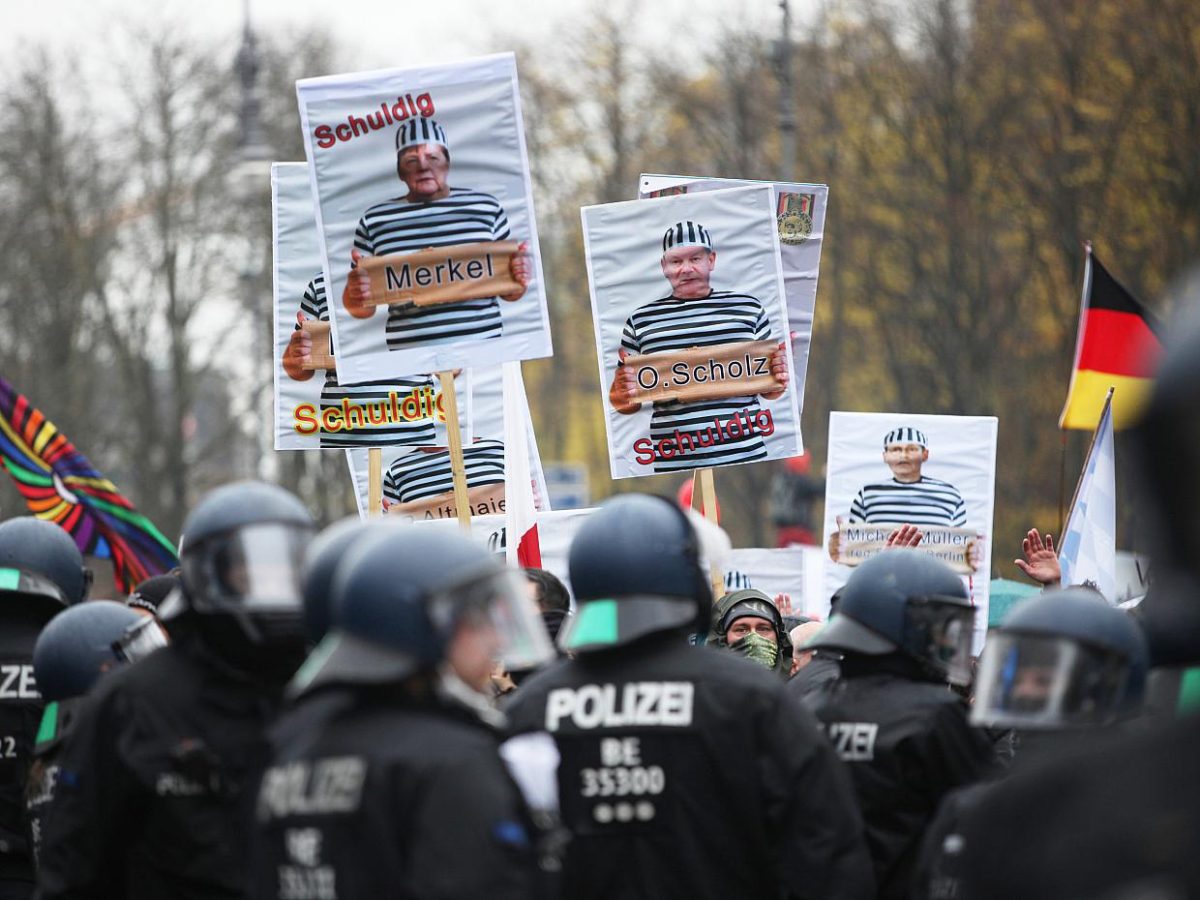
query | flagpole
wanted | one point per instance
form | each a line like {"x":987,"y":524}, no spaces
{"x":1092,"y":443}
{"x":708,"y":495}
{"x":454,"y":434}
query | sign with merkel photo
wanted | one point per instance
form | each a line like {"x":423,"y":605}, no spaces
{"x":691,"y":326}
{"x":425,"y":218}
{"x":313,"y":409}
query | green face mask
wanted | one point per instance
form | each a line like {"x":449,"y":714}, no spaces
{"x":763,"y":651}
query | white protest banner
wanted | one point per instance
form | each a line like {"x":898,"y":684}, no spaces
{"x":685,"y":277}
{"x":795,"y":571}
{"x":312,"y":409}
{"x":418,"y":174}
{"x":800,"y":219}
{"x":937,"y":473}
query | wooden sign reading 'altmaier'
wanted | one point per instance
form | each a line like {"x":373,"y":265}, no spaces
{"x":442,"y":275}
{"x":322,"y":349}
{"x":484,"y":500}
{"x":706,"y":373}
{"x":859,"y":541}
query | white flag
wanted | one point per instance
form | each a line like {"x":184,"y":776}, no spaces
{"x":1088,"y":549}
{"x":520,"y":513}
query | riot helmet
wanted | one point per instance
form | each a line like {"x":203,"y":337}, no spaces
{"x":635,"y":569}
{"x":907,"y":602}
{"x":241,"y":559}
{"x":82,"y":643}
{"x":320,"y":562}
{"x":742,"y":608}
{"x":407,"y":600}
{"x":39,"y":561}
{"x":1062,"y":660}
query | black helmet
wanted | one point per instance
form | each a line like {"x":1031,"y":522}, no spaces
{"x":905,"y":601}
{"x":751,"y":602}
{"x":399,"y":596}
{"x":320,"y":562}
{"x":635,"y":570}
{"x":40,"y":560}
{"x":1063,"y":659}
{"x":81,"y":643}
{"x":241,"y":558}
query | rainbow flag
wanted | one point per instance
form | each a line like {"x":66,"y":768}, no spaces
{"x":60,"y":485}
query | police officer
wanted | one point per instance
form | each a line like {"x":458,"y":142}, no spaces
{"x":78,"y":646}
{"x":387,"y":779}
{"x":157,"y":775}
{"x":748,"y":622}
{"x":1062,"y":666}
{"x":686,"y":772}
{"x":320,"y":563}
{"x":904,"y":627}
{"x":41,"y":572}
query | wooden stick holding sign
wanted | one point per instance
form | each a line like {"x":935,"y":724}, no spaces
{"x":442,"y":275}
{"x":374,"y":482}
{"x":736,"y":369}
{"x":462,"y":502}
{"x":322,"y":352}
{"x":704,"y":485}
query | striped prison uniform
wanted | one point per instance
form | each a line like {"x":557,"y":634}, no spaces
{"x":925,"y":502}
{"x":421,"y":474}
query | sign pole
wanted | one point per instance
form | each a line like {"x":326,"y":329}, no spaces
{"x":374,"y":482}
{"x":708,"y":495}
{"x":450,"y":402}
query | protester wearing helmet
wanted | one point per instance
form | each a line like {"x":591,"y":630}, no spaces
{"x":686,"y":772}
{"x":390,"y":709}
{"x":154,"y":776}
{"x":904,"y":628}
{"x":41,"y":572}
{"x":748,"y":622}
{"x":78,"y":646}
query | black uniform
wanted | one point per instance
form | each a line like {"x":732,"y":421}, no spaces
{"x":372,"y":796}
{"x":907,"y":744}
{"x":20,"y":712}
{"x":43,"y":771}
{"x":688,"y":772}
{"x":156,"y":782}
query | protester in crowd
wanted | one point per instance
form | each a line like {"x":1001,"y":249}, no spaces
{"x":1062,"y":666}
{"x":79,"y":645}
{"x":551,"y":597}
{"x":904,"y":628}
{"x":41,"y":573}
{"x":391,"y":710}
{"x":1041,"y":560}
{"x":799,"y":635}
{"x":748,"y":622}
{"x":686,"y":773}
{"x":158,"y":771}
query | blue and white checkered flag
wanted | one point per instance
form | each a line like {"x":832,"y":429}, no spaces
{"x":1088,"y":549}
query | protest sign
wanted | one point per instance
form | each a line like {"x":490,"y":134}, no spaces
{"x":424,"y":206}
{"x":688,"y":276}
{"x":937,"y":473}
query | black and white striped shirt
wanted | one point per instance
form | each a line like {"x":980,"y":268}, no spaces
{"x":367,"y":395}
{"x":673,"y":324}
{"x":398,"y":226}
{"x":924,"y":502}
{"x":421,"y":473}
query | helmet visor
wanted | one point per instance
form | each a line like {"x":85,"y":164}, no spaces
{"x":938,"y":632}
{"x":1038,"y":681}
{"x":499,"y":613}
{"x":258,"y":566}
{"x":140,"y":639}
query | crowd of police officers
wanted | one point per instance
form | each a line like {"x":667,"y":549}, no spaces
{"x":314,"y":717}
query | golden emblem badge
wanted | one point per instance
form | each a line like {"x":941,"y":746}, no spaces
{"x":795,"y":217}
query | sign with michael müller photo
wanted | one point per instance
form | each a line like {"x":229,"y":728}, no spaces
{"x":691,"y":326}
{"x":314,"y":409}
{"x":425,"y":214}
{"x":936,"y":473}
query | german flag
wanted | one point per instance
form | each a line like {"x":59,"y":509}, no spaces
{"x":1118,"y":346}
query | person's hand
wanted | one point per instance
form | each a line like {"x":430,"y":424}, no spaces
{"x":356,"y":297}
{"x":783,"y":602}
{"x":904,"y":536}
{"x":779,"y":369}
{"x":623,"y":393}
{"x":298,"y":353}
{"x":1040,"y":562}
{"x":520,"y":267}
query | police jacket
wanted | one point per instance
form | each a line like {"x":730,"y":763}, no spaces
{"x":907,"y":743}
{"x":688,"y":772}
{"x":43,"y":771}
{"x":375,"y":794}
{"x":156,"y":781}
{"x":20,"y":712}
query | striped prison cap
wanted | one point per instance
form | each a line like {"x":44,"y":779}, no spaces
{"x":419,"y":130}
{"x":905,"y":436}
{"x":684,"y":234}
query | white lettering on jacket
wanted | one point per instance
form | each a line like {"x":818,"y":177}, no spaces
{"x":317,"y":787}
{"x":666,"y":703}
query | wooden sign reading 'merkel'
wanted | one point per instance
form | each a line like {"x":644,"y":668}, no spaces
{"x":705,"y":373}
{"x":322,"y":354}
{"x":484,"y":500}
{"x":442,"y":275}
{"x":859,"y":541}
